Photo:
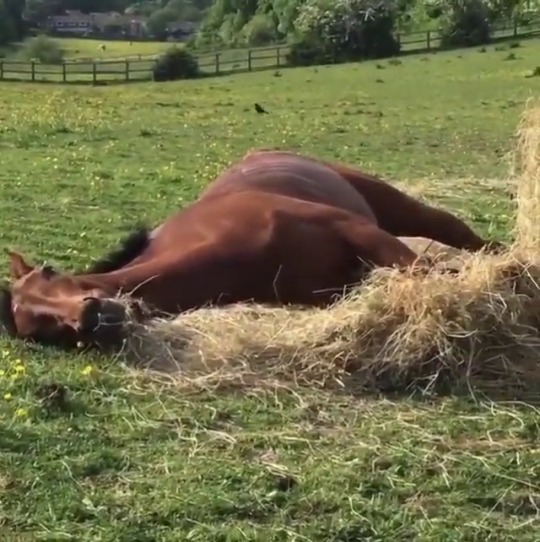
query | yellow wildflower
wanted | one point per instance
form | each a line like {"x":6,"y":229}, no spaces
{"x":7,"y":396}
{"x":19,"y":368}
{"x":87,"y":370}
{"x":2,"y":372}
{"x":21,"y":412}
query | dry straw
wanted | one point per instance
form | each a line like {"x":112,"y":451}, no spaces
{"x":526,"y":174}
{"x":477,"y":329}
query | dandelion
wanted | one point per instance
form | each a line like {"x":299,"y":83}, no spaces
{"x":19,"y":368}
{"x":7,"y":396}
{"x":87,"y":370}
{"x":21,"y":412}
{"x":2,"y":372}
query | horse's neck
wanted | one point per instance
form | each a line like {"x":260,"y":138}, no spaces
{"x":125,"y":279}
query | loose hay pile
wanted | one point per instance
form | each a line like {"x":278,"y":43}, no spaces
{"x":478,"y":328}
{"x":526,"y":174}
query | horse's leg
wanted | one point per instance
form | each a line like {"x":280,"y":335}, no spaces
{"x":375,"y":246}
{"x":418,"y":219}
{"x":404,"y":216}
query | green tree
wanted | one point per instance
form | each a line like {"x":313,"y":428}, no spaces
{"x":260,"y":30}
{"x":15,"y":10}
{"x":144,"y":8}
{"x":8,"y":31}
{"x":186,"y":10}
{"x":159,"y":20}
{"x":344,"y":30}
{"x":38,"y":10}
{"x":466,"y":23}
{"x":87,"y":6}
{"x":230,"y":22}
{"x":286,"y":12}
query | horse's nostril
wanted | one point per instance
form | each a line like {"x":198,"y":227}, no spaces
{"x":111,"y":319}
{"x":113,"y":313}
{"x":101,"y":313}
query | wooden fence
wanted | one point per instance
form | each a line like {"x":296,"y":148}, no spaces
{"x":213,"y":63}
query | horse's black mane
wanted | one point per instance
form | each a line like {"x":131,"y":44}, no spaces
{"x":7,"y":321}
{"x":130,"y":247}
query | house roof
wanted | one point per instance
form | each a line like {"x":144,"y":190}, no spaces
{"x":111,"y":17}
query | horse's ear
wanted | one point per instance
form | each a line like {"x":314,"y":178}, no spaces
{"x":17,"y":266}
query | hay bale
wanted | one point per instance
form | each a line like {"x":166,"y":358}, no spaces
{"x":477,"y":328}
{"x":525,"y":170}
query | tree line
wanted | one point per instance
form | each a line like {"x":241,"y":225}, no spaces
{"x":333,"y":31}
{"x":18,"y":16}
{"x":252,"y":22}
{"x":318,"y":30}
{"x":38,"y":10}
{"x":12,"y":26}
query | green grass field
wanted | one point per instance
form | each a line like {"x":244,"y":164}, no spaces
{"x":79,"y":48}
{"x":131,"y":458}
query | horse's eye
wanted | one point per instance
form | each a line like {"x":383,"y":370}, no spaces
{"x":48,"y":271}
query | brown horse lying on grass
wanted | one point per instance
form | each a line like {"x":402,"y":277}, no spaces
{"x":274,"y":228}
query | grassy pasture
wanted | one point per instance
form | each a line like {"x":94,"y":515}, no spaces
{"x":123,"y":61}
{"x":140,"y":69}
{"x":133,"y":458}
{"x":85,"y":48}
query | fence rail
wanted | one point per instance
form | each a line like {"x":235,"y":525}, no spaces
{"x":213,"y":63}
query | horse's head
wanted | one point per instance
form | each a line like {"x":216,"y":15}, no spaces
{"x":50,"y":307}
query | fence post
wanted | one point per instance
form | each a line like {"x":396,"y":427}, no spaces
{"x":1,"y":69}
{"x":249,"y":60}
{"x":64,"y":75}
{"x":515,"y":28}
{"x":94,"y":72}
{"x":398,"y":39}
{"x":278,"y":57}
{"x":217,"y":63}
{"x":33,"y":72}
{"x":127,"y":70}
{"x":428,"y":40}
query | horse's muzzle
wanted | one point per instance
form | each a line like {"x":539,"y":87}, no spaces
{"x":102,"y":316}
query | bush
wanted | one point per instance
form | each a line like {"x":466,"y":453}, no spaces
{"x":465,"y":23}
{"x":330,"y":31}
{"x":44,"y":49}
{"x":175,"y":64}
{"x":260,"y":30}
{"x":305,"y":52}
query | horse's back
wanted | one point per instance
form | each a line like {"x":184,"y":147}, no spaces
{"x":288,"y":174}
